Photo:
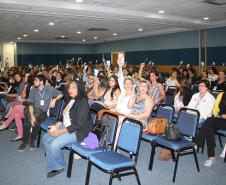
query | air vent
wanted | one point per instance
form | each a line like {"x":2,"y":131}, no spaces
{"x":97,"y":29}
{"x":214,"y":2}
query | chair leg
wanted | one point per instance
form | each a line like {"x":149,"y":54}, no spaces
{"x":137,"y":177}
{"x":70,"y":163}
{"x":111,"y":178}
{"x":39,"y":137}
{"x":220,"y":141}
{"x":119,"y":178}
{"x":175,"y":168}
{"x":196,"y":160}
{"x":173,"y":155}
{"x":203,"y":149}
{"x":152,"y":157}
{"x":88,"y":173}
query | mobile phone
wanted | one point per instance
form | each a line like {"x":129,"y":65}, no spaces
{"x":108,"y":62}
{"x":96,"y":71}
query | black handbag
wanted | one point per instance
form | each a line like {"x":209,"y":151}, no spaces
{"x":172,"y":132}
{"x":39,"y":114}
{"x":102,"y":133}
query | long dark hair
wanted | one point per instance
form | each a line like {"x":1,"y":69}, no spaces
{"x":80,"y":89}
{"x":115,"y":87}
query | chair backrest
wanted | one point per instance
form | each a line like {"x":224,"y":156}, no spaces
{"x":57,"y":109}
{"x":113,"y":125}
{"x":130,"y":137}
{"x":170,"y":95}
{"x":165,"y":111}
{"x":187,"y":121}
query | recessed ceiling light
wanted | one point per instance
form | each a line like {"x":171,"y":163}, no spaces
{"x":78,"y":32}
{"x":95,"y":37}
{"x":51,"y":23}
{"x":206,"y":18}
{"x":161,"y":11}
{"x":25,"y":35}
{"x":140,"y":29}
{"x":114,"y":34}
{"x":62,"y":36}
{"x":11,"y":42}
{"x":83,"y":40}
{"x":79,"y":1}
{"x":36,"y":30}
{"x":18,"y":38}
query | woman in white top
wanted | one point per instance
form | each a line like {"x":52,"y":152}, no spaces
{"x":172,"y":80}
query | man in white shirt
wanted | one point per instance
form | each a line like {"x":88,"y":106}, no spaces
{"x":203,"y":101}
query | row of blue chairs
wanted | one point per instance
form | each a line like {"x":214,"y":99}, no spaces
{"x":114,"y":163}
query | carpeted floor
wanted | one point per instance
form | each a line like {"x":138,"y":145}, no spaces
{"x":29,"y":168}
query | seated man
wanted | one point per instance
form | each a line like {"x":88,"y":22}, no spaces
{"x":42,"y":97}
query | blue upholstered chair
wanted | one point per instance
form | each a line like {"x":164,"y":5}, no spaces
{"x":55,"y":113}
{"x":163,"y":111}
{"x":187,"y":123}
{"x":85,"y":153}
{"x":170,"y":95}
{"x":120,"y":164}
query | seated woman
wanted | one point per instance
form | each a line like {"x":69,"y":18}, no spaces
{"x":183,"y":95}
{"x":220,"y":85}
{"x":172,"y":80}
{"x":17,"y":112}
{"x":141,"y":104}
{"x":207,"y":132}
{"x":74,"y":125}
{"x":156,"y":90}
{"x":110,"y":97}
{"x":202,"y":101}
{"x":96,"y":92}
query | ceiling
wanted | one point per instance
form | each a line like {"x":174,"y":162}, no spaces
{"x":124,"y":17}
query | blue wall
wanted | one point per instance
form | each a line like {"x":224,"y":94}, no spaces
{"x":162,"y":49}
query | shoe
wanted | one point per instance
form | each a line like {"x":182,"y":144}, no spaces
{"x":209,"y":162}
{"x":31,"y":145}
{"x":15,"y":139}
{"x":13,"y":128}
{"x":2,"y":127}
{"x":222,"y":155}
{"x":54,"y":172}
{"x":22,"y":147}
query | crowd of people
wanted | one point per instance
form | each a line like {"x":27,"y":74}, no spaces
{"x":27,"y":93}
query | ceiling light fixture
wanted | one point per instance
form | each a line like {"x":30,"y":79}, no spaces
{"x":95,"y":37}
{"x":161,"y":11}
{"x":79,"y":1}
{"x":140,"y":29}
{"x":115,"y":34}
{"x":62,"y":36}
{"x":11,"y":42}
{"x":51,"y":23}
{"x":36,"y":30}
{"x":18,"y":38}
{"x":25,"y":35}
{"x":206,"y":18}
{"x":78,"y":32}
{"x":83,"y":40}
